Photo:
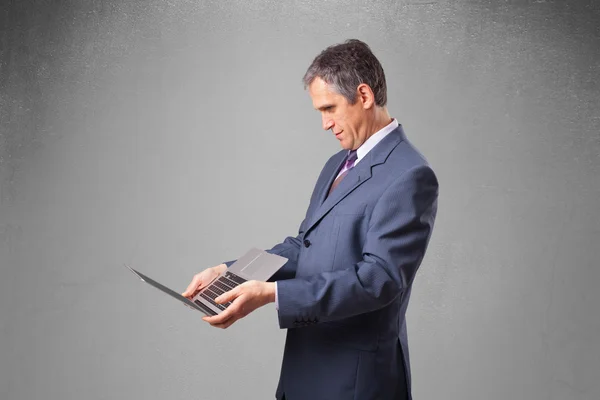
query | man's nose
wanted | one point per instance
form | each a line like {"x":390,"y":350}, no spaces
{"x":327,"y":123}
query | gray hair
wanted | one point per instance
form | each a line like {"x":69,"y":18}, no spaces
{"x":345,"y":66}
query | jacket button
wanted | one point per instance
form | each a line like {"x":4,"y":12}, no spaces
{"x":306,"y":242}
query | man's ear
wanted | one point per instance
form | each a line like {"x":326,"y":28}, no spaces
{"x":365,"y":96}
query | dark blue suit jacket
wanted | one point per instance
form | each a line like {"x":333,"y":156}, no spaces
{"x":344,"y":291}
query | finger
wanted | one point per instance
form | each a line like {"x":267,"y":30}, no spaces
{"x":217,"y":322}
{"x":228,"y":296}
{"x":192,"y":286}
{"x":219,"y":318}
{"x":226,"y":322}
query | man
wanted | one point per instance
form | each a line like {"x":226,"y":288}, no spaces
{"x":343,"y":293}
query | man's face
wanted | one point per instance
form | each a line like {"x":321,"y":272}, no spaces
{"x":346,"y":121}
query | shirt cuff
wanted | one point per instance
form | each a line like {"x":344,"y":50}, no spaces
{"x":276,"y":298}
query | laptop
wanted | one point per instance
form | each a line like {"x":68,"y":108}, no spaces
{"x":256,"y":264}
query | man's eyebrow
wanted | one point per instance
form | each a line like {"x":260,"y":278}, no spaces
{"x":325,"y":106}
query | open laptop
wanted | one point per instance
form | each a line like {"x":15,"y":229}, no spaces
{"x":254,"y":265}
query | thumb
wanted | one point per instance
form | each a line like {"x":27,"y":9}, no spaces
{"x":227,"y":296}
{"x":193,"y":286}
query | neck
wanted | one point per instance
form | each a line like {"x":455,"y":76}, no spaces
{"x":381,"y":119}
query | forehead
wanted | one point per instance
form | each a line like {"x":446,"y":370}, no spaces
{"x":322,"y":94}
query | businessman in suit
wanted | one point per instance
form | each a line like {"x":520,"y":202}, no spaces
{"x":344,"y":291}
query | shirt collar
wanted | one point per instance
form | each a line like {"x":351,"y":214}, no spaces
{"x":371,"y":142}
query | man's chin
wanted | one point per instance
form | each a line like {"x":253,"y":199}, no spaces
{"x":345,"y":145}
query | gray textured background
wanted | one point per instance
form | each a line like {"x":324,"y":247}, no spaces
{"x":128,"y":130}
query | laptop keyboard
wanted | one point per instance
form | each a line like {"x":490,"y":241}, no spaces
{"x":223,"y":284}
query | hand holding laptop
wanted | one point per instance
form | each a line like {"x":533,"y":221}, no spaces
{"x":249,"y":296}
{"x":244,"y":299}
{"x":202,"y":279}
{"x":228,"y":294}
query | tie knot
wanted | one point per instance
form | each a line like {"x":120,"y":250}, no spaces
{"x":351,"y":157}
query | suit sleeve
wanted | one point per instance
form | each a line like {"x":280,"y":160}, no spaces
{"x":290,"y":249}
{"x":398,"y":234}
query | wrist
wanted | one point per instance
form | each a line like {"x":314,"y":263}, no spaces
{"x":271,"y":288}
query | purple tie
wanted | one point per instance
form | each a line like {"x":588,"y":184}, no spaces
{"x":347,"y":166}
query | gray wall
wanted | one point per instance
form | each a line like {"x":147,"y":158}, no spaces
{"x":128,"y":130}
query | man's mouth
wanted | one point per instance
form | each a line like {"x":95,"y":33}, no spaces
{"x":339,"y":133}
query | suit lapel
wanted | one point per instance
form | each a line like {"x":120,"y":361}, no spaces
{"x":356,"y":176}
{"x":325,"y":189}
